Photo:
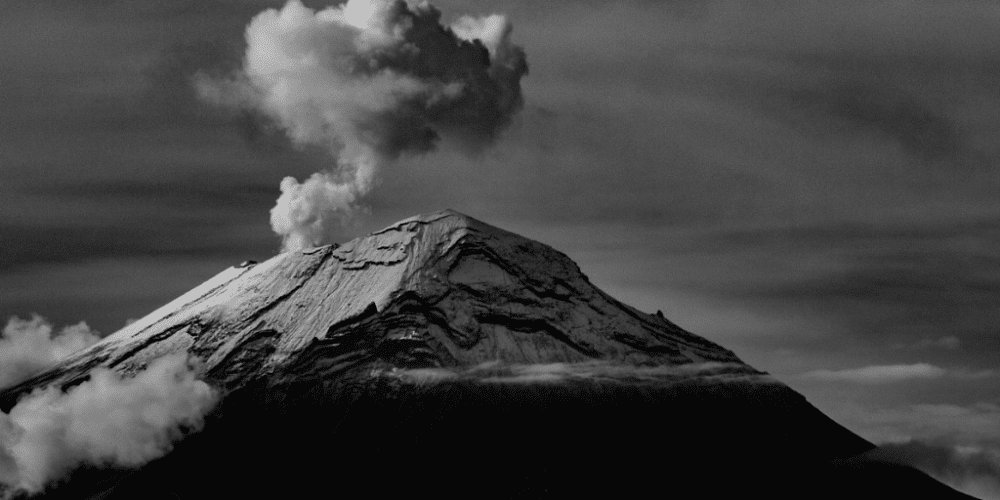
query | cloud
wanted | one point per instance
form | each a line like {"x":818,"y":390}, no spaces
{"x":882,"y":287}
{"x":307,"y":212}
{"x":879,"y":374}
{"x":369,"y":80}
{"x":971,"y":424}
{"x":28,"y":346}
{"x":970,"y":469}
{"x":497,"y":372}
{"x":106,"y":420}
{"x":696,"y":129}
{"x":951,"y":343}
{"x":957,"y":444}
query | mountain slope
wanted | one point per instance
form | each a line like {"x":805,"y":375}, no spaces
{"x":450,"y":290}
{"x":444,"y":351}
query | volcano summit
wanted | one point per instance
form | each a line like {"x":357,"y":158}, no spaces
{"x":445,"y":356}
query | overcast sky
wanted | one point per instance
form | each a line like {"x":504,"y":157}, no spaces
{"x":811,"y":184}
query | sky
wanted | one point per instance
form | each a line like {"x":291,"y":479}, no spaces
{"x":811,"y":184}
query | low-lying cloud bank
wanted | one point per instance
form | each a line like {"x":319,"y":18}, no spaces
{"x":497,"y":372}
{"x":972,"y":470}
{"x":880,"y":374}
{"x":951,"y":343}
{"x":973,"y":424}
{"x":106,"y":420}
{"x":28,"y":346}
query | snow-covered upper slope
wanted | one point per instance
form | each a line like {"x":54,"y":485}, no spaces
{"x":440,"y":290}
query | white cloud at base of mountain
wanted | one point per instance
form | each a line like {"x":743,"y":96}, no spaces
{"x":498,"y":372}
{"x":974,"y":470}
{"x":106,"y":420}
{"x":880,"y":374}
{"x":30,"y":345}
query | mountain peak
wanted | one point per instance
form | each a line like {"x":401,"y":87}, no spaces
{"x":439,"y":290}
{"x":409,"y":350}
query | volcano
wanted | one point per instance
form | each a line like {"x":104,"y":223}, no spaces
{"x":443,"y":356}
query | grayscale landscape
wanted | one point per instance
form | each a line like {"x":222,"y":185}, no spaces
{"x":499,"y":249}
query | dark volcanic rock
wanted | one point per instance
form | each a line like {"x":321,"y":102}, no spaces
{"x":442,"y":356}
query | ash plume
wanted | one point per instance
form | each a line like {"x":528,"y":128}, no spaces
{"x":28,"y":346}
{"x":369,"y":80}
{"x":106,"y":420}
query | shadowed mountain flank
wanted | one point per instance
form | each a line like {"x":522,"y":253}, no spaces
{"x":444,"y":355}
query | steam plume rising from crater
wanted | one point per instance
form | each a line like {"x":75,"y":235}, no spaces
{"x":370,"y":80}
